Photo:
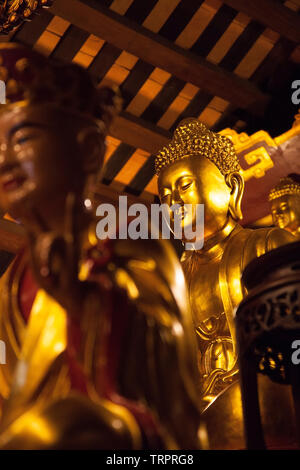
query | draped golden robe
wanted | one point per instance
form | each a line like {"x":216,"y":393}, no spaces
{"x":141,"y":327}
{"x":214,"y":280}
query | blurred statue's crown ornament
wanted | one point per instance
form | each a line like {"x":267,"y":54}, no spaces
{"x":32,"y":79}
{"x":286,"y":186}
{"x":15,"y":12}
{"x":192,"y":137}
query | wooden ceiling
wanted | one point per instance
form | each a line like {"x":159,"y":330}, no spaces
{"x":229,"y":63}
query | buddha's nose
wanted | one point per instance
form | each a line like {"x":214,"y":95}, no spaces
{"x":176,"y":199}
{"x":7,"y":161}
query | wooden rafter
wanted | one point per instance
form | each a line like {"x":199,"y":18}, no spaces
{"x":133,"y":131}
{"x":271,"y":14}
{"x":107,"y":194}
{"x":150,"y":47}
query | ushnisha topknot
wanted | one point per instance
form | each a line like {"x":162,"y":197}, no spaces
{"x":192,"y":137}
{"x":287,"y":185}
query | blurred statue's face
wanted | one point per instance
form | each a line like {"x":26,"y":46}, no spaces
{"x":286,"y":212}
{"x":196,"y":180}
{"x":39,"y":159}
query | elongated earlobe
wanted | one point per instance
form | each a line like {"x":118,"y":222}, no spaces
{"x":236,"y":183}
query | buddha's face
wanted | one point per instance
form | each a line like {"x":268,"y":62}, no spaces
{"x":196,"y":180}
{"x":286,"y":212}
{"x":39,"y":159}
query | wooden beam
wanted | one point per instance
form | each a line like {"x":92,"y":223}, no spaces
{"x":108,"y":194}
{"x":126,"y":35}
{"x":271,"y":14}
{"x":133,"y":131}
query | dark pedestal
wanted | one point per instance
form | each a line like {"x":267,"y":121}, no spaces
{"x":268,"y":328}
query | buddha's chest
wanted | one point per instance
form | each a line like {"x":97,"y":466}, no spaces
{"x":204,"y":291}
{"x":213,"y":284}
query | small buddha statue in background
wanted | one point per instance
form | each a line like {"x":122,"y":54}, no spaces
{"x":99,"y":337}
{"x":285,"y":204}
{"x":201,"y":167}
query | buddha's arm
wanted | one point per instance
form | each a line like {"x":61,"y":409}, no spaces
{"x":161,"y":353}
{"x":151,"y":334}
{"x":278,"y":237}
{"x":155,"y":345}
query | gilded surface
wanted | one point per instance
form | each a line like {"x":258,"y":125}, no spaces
{"x":258,"y":159}
{"x":110,"y":322}
{"x":13,"y":12}
{"x":285,"y":204}
{"x":194,"y":138}
{"x":214,"y":273}
{"x":214,"y":314}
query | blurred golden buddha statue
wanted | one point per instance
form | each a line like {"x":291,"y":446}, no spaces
{"x":99,"y":338}
{"x":285,"y":204}
{"x":201,"y":167}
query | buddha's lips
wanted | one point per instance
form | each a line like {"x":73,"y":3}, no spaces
{"x":12,"y":182}
{"x":281,"y":221}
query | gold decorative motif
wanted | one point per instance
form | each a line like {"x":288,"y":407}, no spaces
{"x":14,"y":12}
{"x":259,"y":157}
{"x":193,"y":138}
{"x":264,"y":163}
{"x":217,"y":364}
{"x":297,"y":119}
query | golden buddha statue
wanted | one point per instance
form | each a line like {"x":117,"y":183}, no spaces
{"x":285,"y":204}
{"x":201,"y":167}
{"x":93,"y":330}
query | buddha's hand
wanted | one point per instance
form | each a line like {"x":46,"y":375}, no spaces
{"x":55,"y":259}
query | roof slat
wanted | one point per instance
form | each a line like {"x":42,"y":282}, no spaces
{"x":180,"y":17}
{"x":140,"y":42}
{"x":115,"y":163}
{"x":218,"y":25}
{"x":30,"y":32}
{"x":138,"y":133}
{"x":70,"y":43}
{"x":104,"y":60}
{"x":142,"y":178}
{"x":271,"y":14}
{"x":242,"y":46}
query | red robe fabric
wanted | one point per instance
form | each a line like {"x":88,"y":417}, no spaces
{"x":116,"y":316}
